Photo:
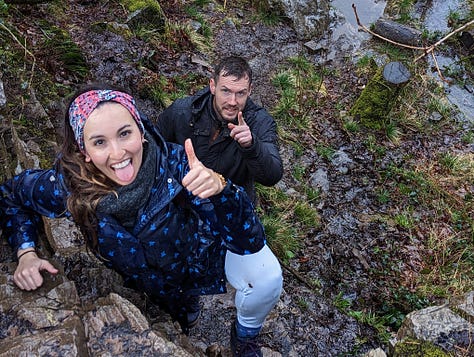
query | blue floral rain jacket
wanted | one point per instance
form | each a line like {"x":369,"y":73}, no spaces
{"x":177,"y":245}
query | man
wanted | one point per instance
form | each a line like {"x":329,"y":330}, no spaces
{"x":230,"y":133}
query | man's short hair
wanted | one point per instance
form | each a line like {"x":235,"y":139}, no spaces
{"x":233,"y":66}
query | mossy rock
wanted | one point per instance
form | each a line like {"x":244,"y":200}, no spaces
{"x":145,"y":14}
{"x":378,"y":97}
{"x":416,"y":348}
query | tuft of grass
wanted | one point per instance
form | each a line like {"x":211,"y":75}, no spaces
{"x":164,"y":90}
{"x":298,"y":172}
{"x":451,"y":163}
{"x":379,"y":323}
{"x":439,"y":193}
{"x":266,"y":14}
{"x":441,"y":106}
{"x":287,"y":220}
{"x":325,"y":152}
{"x":205,"y":29}
{"x":306,"y":214}
{"x":383,"y":195}
{"x":302,"y":303}
{"x":3,"y":8}
{"x":350,"y":125}
{"x":298,"y":85}
{"x":405,"y":219}
{"x":341,"y":303}
{"x":404,"y":10}
{"x":468,"y":138}
{"x":282,"y":236}
{"x":61,"y":49}
{"x":312,"y":194}
{"x":393,"y":133}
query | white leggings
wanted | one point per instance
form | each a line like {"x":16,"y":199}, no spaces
{"x":258,"y":281}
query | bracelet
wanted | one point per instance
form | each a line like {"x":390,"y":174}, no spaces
{"x":222,"y":179}
{"x":22,"y":254}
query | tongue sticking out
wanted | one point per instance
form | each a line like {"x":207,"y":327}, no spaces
{"x":125,"y":173}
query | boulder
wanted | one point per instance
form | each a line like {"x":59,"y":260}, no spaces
{"x":447,"y":326}
{"x":310,"y":18}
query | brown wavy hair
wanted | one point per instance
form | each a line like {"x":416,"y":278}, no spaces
{"x":86,"y":184}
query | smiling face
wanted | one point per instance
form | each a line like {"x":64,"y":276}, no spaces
{"x":113,"y":142}
{"x":230,"y":95}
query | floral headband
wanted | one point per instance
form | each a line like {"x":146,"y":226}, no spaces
{"x":84,"y":104}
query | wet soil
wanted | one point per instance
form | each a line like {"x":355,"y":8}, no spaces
{"x":347,"y":255}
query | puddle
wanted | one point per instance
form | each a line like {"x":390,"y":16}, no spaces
{"x":437,"y":15}
{"x":368,"y":10}
{"x":345,"y":37}
{"x":436,"y":20}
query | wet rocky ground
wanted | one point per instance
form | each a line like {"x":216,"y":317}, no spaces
{"x":347,"y":255}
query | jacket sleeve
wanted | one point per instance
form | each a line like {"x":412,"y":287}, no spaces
{"x":167,"y":121}
{"x":263,"y":157}
{"x":27,"y":197}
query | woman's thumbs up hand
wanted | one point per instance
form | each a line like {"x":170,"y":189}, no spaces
{"x":200,"y":180}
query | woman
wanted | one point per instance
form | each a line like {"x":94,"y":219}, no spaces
{"x":171,"y":227}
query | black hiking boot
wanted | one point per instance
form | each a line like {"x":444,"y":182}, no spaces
{"x":193,"y":310}
{"x":244,"y":347}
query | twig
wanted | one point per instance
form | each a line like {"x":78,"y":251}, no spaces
{"x":432,"y":47}
{"x":438,"y":70}
{"x":297,"y":275}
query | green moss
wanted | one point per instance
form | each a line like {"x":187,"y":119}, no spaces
{"x":134,"y":5}
{"x":417,"y":348}
{"x":114,"y":27}
{"x":146,"y":15}
{"x":375,"y":102}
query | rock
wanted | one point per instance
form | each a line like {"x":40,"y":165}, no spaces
{"x":467,"y":40}
{"x":319,"y":180}
{"x":67,"y":340}
{"x":376,"y":353}
{"x":396,"y":73}
{"x":49,"y":322}
{"x":149,"y":15}
{"x":446,"y":326}
{"x":431,"y":323}
{"x":3,"y":98}
{"x":314,"y":46}
{"x":118,"y":326}
{"x":310,"y":17}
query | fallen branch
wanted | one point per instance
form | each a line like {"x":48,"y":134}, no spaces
{"x":437,"y":68}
